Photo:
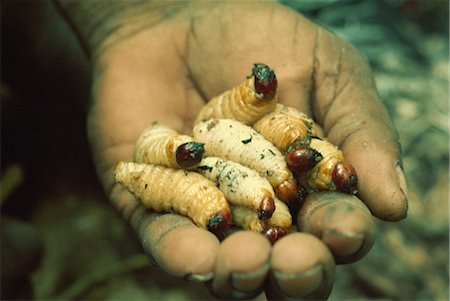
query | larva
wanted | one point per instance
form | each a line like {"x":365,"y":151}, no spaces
{"x":229,"y":139}
{"x":289,"y":130}
{"x":241,"y":185}
{"x":166,"y":189}
{"x":274,"y":228}
{"x":246,"y":102}
{"x":291,"y":111}
{"x":161,"y":145}
{"x":332,"y":172}
{"x":284,"y":129}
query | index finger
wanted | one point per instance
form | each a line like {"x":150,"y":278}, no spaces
{"x":348,"y":108}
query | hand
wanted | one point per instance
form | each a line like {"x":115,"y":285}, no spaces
{"x":165,"y":68}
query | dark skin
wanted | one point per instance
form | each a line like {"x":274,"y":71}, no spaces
{"x":165,"y":68}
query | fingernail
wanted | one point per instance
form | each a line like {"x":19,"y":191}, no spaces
{"x":401,"y":179}
{"x":249,"y":281}
{"x":300,"y":284}
{"x":199,"y":277}
{"x":343,"y":243}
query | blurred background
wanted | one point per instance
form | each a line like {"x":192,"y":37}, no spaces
{"x":61,"y":240}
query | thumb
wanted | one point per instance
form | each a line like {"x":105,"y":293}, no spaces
{"x":352,"y":116}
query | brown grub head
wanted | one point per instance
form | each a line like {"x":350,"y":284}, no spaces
{"x":189,"y":154}
{"x":266,"y":208}
{"x":274,"y":233}
{"x":344,"y":177}
{"x":303,"y":159}
{"x":265,"y":81}
{"x":287,"y":191}
{"x":219,"y":223}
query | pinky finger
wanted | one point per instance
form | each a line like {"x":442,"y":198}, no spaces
{"x":172,"y":241}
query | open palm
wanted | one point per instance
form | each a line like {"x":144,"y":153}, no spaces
{"x":167,"y":71}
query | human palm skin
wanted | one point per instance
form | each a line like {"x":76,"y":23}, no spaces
{"x":162,"y":62}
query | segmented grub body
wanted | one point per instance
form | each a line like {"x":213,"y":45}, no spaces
{"x":320,"y":176}
{"x":241,"y":185}
{"x":246,"y":102}
{"x":247,"y":219}
{"x":285,"y":127}
{"x":241,"y":103}
{"x":232,"y":140}
{"x":296,"y":113}
{"x":274,"y":228}
{"x":167,"y":189}
{"x":162,"y":145}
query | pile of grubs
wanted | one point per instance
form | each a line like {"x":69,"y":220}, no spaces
{"x":248,"y":162}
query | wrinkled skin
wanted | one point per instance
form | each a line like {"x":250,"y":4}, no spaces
{"x":167,"y":71}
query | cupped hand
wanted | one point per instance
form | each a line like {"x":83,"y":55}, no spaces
{"x":166,"y":71}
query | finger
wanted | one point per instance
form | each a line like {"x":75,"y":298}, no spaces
{"x":242,"y":265}
{"x":172,"y":241}
{"x":349,"y":110}
{"x":302,"y":267}
{"x":341,"y":221}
